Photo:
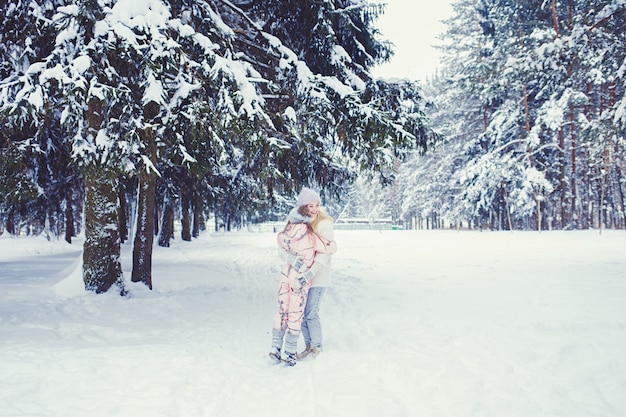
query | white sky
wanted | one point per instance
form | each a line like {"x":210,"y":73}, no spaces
{"x":413,"y":26}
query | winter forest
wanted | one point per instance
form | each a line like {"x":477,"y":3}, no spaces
{"x":138,"y":120}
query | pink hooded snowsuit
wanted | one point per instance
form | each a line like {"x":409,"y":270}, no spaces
{"x":298,"y":240}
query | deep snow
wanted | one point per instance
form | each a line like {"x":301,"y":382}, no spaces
{"x":418,"y":323}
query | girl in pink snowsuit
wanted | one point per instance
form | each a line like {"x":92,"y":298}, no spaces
{"x":299,"y":244}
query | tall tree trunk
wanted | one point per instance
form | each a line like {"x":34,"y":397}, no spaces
{"x":122,"y":214}
{"x":102,"y":267}
{"x":185,"y":206}
{"x":536,"y":196}
{"x":198,"y":220}
{"x":144,"y":235}
{"x":167,"y":225}
{"x":603,"y":184}
{"x":555,"y":18}
{"x":157,"y":216}
{"x":526,"y":111}
{"x":617,"y":167}
{"x":621,"y":201}
{"x":508,"y":209}
{"x":10,"y":225}
{"x":574,"y":170}
{"x":562,"y":179}
{"x":69,"y":222}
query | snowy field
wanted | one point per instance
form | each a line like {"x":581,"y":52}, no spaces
{"x":418,"y":323}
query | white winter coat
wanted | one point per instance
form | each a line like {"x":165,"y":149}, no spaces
{"x":323,"y":276}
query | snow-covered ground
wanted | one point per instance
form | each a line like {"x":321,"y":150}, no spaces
{"x":418,"y":323}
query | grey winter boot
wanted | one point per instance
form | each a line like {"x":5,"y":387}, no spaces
{"x":274,"y":355}
{"x":290,"y":358}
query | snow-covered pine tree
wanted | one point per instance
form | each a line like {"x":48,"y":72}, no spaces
{"x":538,"y":83}
{"x":38,"y":189}
{"x":172,"y":62}
{"x":602,"y":118}
{"x":466,"y":99}
{"x":343,"y":115}
{"x":143,"y":82}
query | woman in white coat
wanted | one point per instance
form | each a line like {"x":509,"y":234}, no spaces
{"x":322,"y":225}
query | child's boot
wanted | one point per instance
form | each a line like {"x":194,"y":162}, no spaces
{"x":290,"y":358}
{"x":274,"y":355}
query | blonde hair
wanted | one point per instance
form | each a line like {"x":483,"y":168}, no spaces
{"x":321,"y":216}
{"x":304,"y":211}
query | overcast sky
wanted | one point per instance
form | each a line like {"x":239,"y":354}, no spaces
{"x":413,"y":26}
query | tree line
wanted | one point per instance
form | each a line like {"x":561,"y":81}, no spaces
{"x":531,"y":100}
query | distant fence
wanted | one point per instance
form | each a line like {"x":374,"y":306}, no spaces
{"x":274,"y":227}
{"x":359,"y":223}
{"x":366,"y":226}
{"x":270,"y":227}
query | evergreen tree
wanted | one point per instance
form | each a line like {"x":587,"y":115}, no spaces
{"x":343,"y":114}
{"x":528,"y":97}
{"x":39,"y":190}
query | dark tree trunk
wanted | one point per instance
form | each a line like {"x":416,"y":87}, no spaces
{"x":122,"y":212}
{"x":101,"y":253}
{"x":167,"y":225}
{"x":555,"y":19}
{"x":185,"y":233}
{"x":197,"y":218}
{"x":574,"y":190}
{"x":157,"y":215}
{"x":102,"y":267}
{"x":562,"y":180}
{"x":144,"y":236}
{"x":69,"y":223}
{"x":10,"y":226}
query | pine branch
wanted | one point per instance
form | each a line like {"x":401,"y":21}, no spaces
{"x":243,"y":14}
{"x":606,"y":19}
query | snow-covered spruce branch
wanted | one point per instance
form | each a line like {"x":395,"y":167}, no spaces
{"x":610,"y":11}
{"x":357,"y":7}
{"x":243,"y":14}
{"x":547,"y":146}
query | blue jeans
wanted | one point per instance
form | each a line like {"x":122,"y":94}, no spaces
{"x":311,"y":325}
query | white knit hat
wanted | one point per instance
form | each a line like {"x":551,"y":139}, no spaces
{"x":307,"y":196}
